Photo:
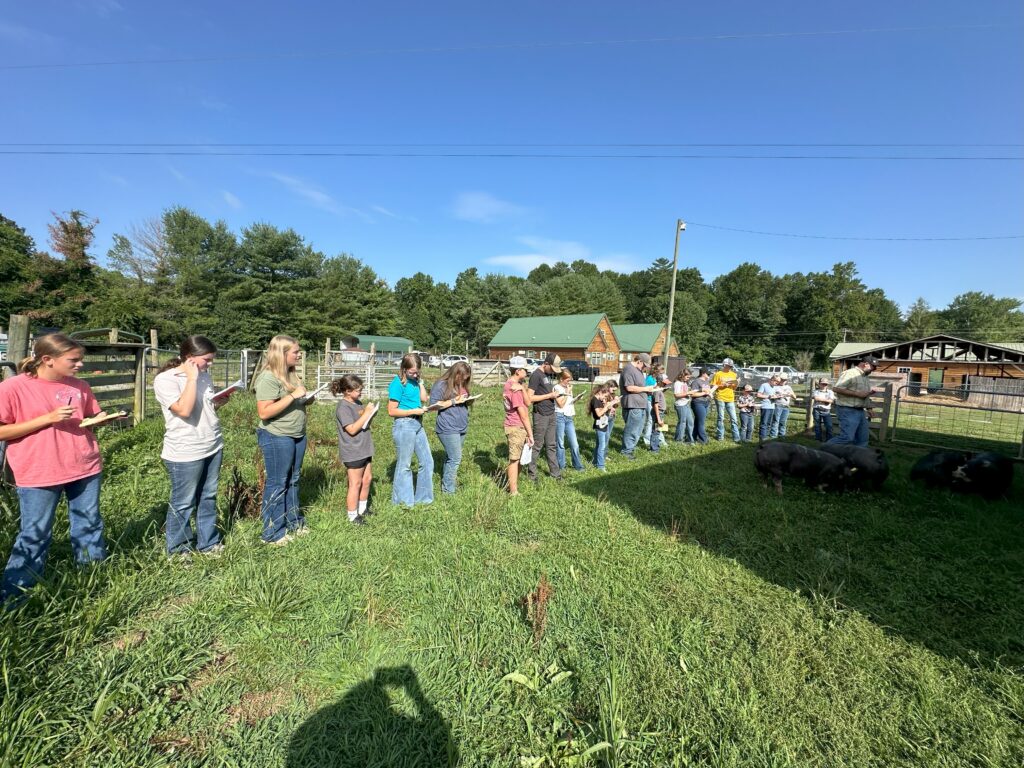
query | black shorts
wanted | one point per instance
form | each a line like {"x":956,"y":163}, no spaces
{"x":358,"y":463}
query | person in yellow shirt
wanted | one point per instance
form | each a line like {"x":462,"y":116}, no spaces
{"x":723,"y":384}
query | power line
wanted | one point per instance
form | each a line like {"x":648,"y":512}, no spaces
{"x":485,"y":47}
{"x":870,"y":239}
{"x":207,"y":144}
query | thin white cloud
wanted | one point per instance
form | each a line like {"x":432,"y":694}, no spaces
{"x":102,"y":8}
{"x":547,"y":251}
{"x":316,"y":196}
{"x":18,"y":34}
{"x":231,"y":200}
{"x":114,"y":178}
{"x":384,"y":211}
{"x":176,"y":173}
{"x":484,"y":208}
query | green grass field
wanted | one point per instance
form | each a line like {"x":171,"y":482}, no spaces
{"x":680,"y":615}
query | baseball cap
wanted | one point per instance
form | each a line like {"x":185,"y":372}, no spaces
{"x":747,"y":388}
{"x":784,"y":376}
{"x":644,"y":358}
{"x":872,"y":361}
{"x":554,"y":361}
{"x":727,"y":361}
{"x":516,"y":362}
{"x":823,"y":381}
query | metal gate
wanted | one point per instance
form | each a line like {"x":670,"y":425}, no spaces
{"x":959,"y":418}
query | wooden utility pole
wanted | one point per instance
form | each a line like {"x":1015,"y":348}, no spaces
{"x":154,"y":343}
{"x":17,"y":339}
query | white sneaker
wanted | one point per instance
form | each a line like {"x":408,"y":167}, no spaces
{"x":286,"y":539}
{"x":214,"y":551}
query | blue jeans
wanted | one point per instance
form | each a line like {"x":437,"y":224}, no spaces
{"x":648,"y":424}
{"x":746,"y":426}
{"x":452,"y":442}
{"x":684,"y":428}
{"x":38,"y":507}
{"x":282,"y":459}
{"x":565,"y":429}
{"x":780,"y":422}
{"x":700,"y":415}
{"x":601,"y":450}
{"x":634,"y":426}
{"x":193,"y":488}
{"x":853,"y":426}
{"x":721,"y":406}
{"x":764,"y":429}
{"x":657,"y":438}
{"x":822,"y":425}
{"x":410,"y":438}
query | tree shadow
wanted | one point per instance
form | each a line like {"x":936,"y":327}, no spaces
{"x":941,"y":569}
{"x":383,"y":721}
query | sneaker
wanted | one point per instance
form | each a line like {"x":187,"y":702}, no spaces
{"x":357,"y":520}
{"x":286,"y":539}
{"x":301,"y":531}
{"x":214,"y":551}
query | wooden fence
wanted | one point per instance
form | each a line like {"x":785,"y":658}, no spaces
{"x":1002,"y":394}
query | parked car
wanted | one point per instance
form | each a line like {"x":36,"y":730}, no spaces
{"x":766,"y":371}
{"x":581,"y":370}
{"x":434,"y":361}
{"x":447,"y":361}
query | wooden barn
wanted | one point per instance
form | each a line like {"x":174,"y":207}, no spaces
{"x":642,"y":337}
{"x":936,"y":362}
{"x":571,"y":337}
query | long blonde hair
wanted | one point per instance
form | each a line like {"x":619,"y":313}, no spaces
{"x":52,"y":344}
{"x":274,"y":361}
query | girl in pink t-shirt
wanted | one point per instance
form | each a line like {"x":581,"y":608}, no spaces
{"x":51,"y":455}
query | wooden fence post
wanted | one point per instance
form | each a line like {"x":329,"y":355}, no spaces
{"x":17,"y":338}
{"x":154,"y":343}
{"x":139,"y":409}
{"x":113,"y":334}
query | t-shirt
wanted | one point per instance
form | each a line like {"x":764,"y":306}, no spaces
{"x":722,"y":379}
{"x":855,"y":379}
{"x":823,"y":399}
{"x":632,"y":377}
{"x":659,"y":400}
{"x":746,"y":403}
{"x":352,"y":447}
{"x":56,"y":454}
{"x":197,"y":435}
{"x":541,"y":385}
{"x":766,"y":403}
{"x":650,"y":381}
{"x":700,"y":385}
{"x":291,"y":422}
{"x":680,"y":389}
{"x":513,"y":400}
{"x":569,"y":409}
{"x":592,"y":406}
{"x":453,"y":420}
{"x":406,"y":395}
{"x":785,"y":393}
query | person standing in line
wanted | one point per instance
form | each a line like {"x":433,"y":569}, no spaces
{"x":784,"y":395}
{"x":658,"y":409}
{"x":766,"y":397}
{"x":602,"y":410}
{"x":649,"y":423}
{"x":449,"y":394}
{"x":355,"y":444}
{"x":700,"y":398}
{"x":565,"y":422}
{"x":281,"y":402}
{"x":635,"y":391}
{"x":541,"y":395}
{"x":746,"y":403}
{"x":193,"y":447}
{"x":406,"y":399}
{"x":853,"y":388}
{"x":518,"y":431}
{"x":51,"y":455}
{"x":684,"y":413}
{"x":724,"y":382}
{"x":823,"y":398}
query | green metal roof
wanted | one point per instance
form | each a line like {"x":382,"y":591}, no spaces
{"x":382,"y":343}
{"x":555,"y":331}
{"x":846,"y":349}
{"x":637,"y":337}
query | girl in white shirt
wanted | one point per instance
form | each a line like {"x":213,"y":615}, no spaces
{"x":565,"y":422}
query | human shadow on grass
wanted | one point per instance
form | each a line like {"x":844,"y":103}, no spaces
{"x":941,"y":569}
{"x":383,"y":721}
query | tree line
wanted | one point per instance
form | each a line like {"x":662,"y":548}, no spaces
{"x":181,"y":274}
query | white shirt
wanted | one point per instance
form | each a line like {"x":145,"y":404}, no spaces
{"x":569,"y":409}
{"x":197,"y":435}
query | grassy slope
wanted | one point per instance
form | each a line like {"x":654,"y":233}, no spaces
{"x":704,"y":622}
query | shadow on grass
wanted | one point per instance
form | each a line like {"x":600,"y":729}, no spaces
{"x":942,"y":570}
{"x":385,"y":720}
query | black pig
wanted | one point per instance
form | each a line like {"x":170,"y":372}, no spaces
{"x":868,"y":466}
{"x":989,"y":474}
{"x":819,"y":470}
{"x":936,"y":468}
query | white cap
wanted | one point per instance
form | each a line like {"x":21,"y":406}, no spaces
{"x":727,"y":361}
{"x":518,"y":361}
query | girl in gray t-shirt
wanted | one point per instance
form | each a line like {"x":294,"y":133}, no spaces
{"x":355,"y":444}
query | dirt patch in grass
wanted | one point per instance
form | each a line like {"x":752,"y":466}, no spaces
{"x":257,"y":705}
{"x":211,"y":671}
{"x":132,"y":639}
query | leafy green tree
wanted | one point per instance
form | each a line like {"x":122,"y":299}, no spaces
{"x":352,"y":298}
{"x":747,"y":312}
{"x":919,"y":321}
{"x":577,"y":293}
{"x":17,"y":251}
{"x":983,"y":317}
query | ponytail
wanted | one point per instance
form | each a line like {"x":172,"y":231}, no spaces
{"x":192,"y":346}
{"x":52,"y":345}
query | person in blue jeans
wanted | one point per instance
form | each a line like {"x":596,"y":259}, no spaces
{"x":602,"y":410}
{"x":635,"y":392}
{"x":649,"y":420}
{"x":406,"y":399}
{"x":193,"y":447}
{"x":51,"y":455}
{"x":565,"y":422}
{"x":700,"y":397}
{"x":822,"y":399}
{"x":765,"y":397}
{"x":684,"y":413}
{"x":449,"y":395}
{"x":746,"y":403}
{"x":281,"y":402}
{"x":784,"y":395}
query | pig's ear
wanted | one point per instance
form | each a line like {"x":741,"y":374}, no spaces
{"x":852,"y":470}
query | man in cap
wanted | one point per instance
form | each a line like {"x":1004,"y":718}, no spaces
{"x":723,"y":384}
{"x":784,"y":395}
{"x":517,"y":419}
{"x":853,"y":388}
{"x":635,"y":390}
{"x":540,"y":393}
{"x":823,"y":398}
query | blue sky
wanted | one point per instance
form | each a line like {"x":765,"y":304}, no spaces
{"x":540,"y":73}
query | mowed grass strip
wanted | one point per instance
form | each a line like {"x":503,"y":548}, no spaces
{"x":669,"y":612}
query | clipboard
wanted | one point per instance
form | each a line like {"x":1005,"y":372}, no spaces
{"x":229,"y":390}
{"x":93,"y":421}
{"x":311,"y":396}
